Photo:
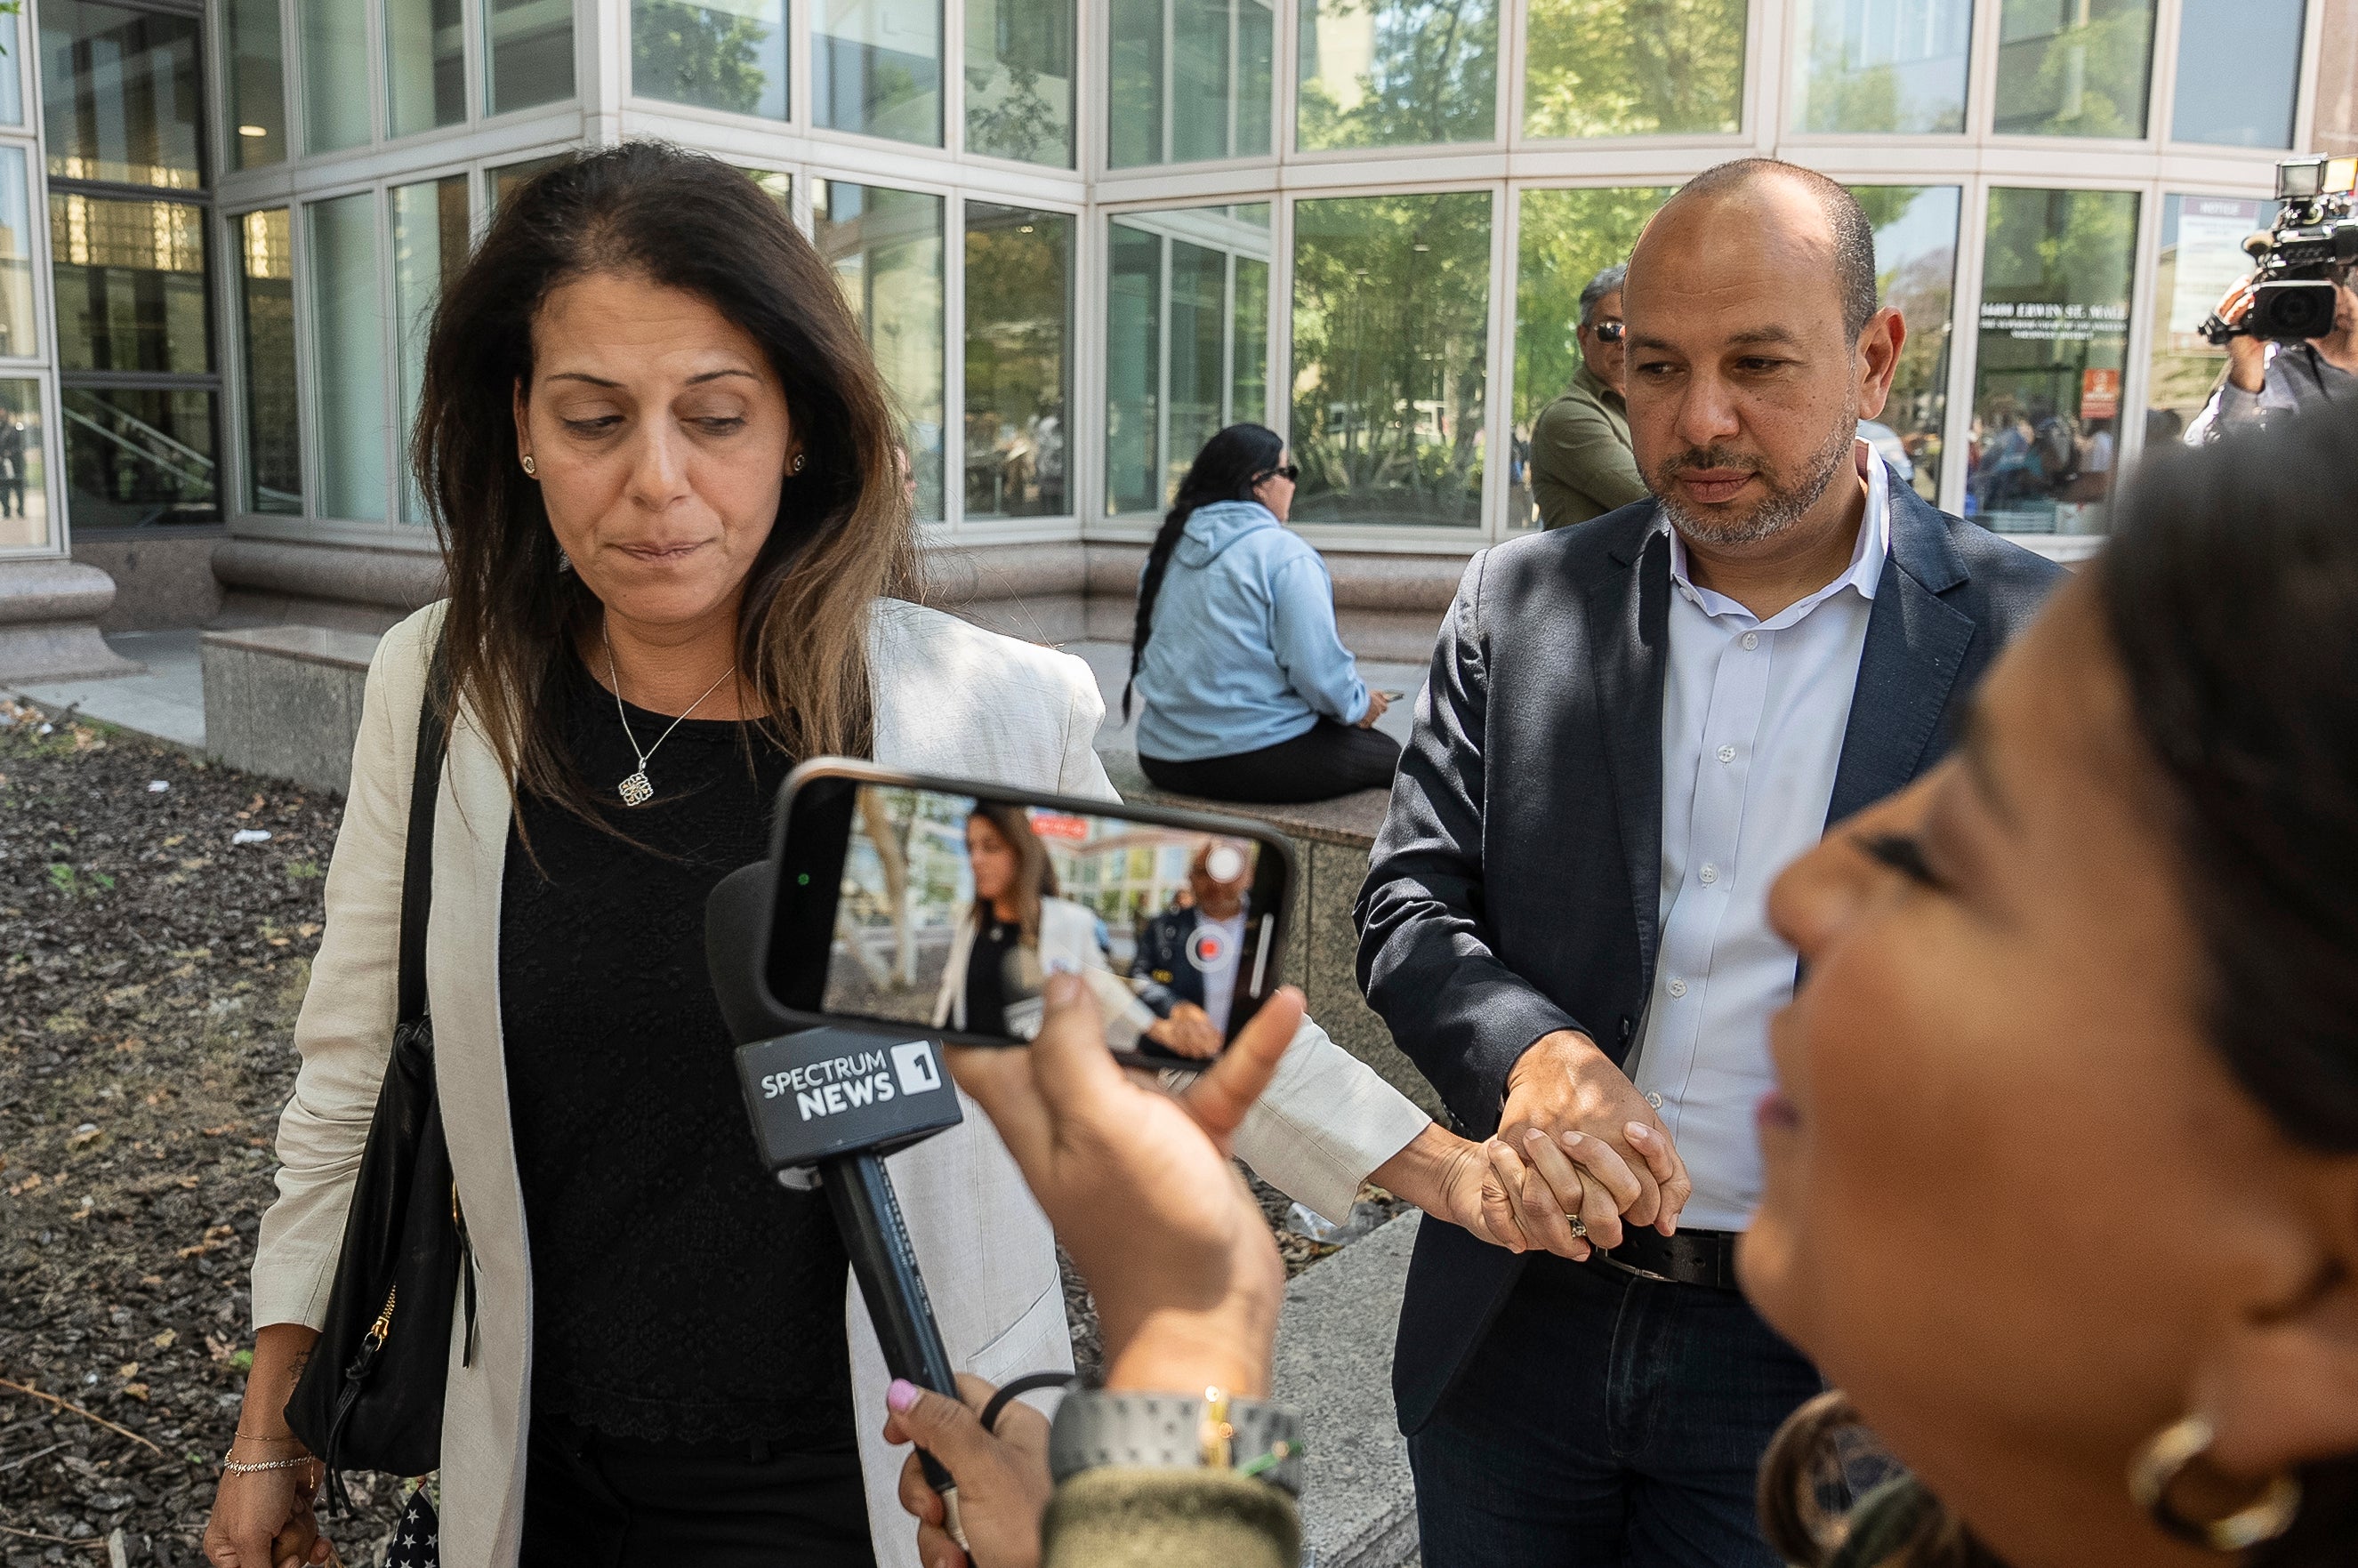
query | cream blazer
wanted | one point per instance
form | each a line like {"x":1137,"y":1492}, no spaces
{"x":951,"y":700}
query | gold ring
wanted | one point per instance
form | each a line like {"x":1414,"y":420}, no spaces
{"x":1579,"y":1225}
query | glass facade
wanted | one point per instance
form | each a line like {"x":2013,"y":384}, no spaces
{"x":886,"y":248}
{"x":2056,"y":272}
{"x":1391,"y":310}
{"x":23,"y":473}
{"x":1122,"y":225}
{"x":1019,"y":302}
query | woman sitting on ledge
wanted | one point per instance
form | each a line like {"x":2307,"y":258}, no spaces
{"x":1250,"y":694}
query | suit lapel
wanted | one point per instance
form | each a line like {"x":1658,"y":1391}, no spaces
{"x":1629,"y":618}
{"x":1916,"y":644}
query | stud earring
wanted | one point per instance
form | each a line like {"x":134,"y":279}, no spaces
{"x":563,"y":561}
{"x":797,"y":466}
{"x":528,"y":470}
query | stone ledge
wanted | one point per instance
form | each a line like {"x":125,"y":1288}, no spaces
{"x":285,"y":701}
{"x":1350,"y":820}
{"x":49,"y":611}
{"x":1334,"y":1341}
{"x":311,"y":644}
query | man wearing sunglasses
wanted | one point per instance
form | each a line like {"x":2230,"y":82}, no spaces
{"x":1581,"y":466}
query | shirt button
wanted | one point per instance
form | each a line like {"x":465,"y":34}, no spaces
{"x":1655,"y":1099}
{"x":1710,"y":874}
{"x":1751,"y":641}
{"x":1677,"y":987}
{"x":1728,"y":753}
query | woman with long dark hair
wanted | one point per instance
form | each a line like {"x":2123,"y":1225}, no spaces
{"x":2063,"y":1171}
{"x":1250,"y":694}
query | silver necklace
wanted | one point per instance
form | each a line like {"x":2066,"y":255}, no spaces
{"x":635,"y":790}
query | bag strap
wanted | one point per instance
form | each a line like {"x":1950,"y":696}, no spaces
{"x":418,"y":864}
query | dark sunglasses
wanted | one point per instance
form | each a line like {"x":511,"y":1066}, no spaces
{"x":1289,"y":472}
{"x":1611,"y":331}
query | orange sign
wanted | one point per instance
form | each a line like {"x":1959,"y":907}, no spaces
{"x":2099,"y":393}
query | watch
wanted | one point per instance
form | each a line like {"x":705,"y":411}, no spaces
{"x":1206,"y":1431}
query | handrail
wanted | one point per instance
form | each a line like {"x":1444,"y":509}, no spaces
{"x":140,"y":452}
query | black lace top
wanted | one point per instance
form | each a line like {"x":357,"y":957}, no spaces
{"x":678,"y":1293}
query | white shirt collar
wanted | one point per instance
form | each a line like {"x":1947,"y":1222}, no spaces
{"x":1864,"y":572}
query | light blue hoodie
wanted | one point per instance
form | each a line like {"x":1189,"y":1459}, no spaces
{"x":1244,"y":653}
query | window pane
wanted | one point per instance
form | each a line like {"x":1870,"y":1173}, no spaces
{"x":531,"y":53}
{"x":347,"y":357}
{"x":335,"y":74}
{"x":2073,"y":67}
{"x":1916,"y":273}
{"x":1133,"y":368}
{"x":120,"y":96}
{"x":878,"y":68}
{"x":257,"y":83}
{"x":1186,"y":343}
{"x":274,"y":454}
{"x":131,"y":283}
{"x":1191,"y":80}
{"x":1567,"y":237}
{"x":1019,"y":80}
{"x":19,"y":337}
{"x":2201,"y":258}
{"x":1019,"y":272}
{"x":2238,"y":68}
{"x":425,"y":65}
{"x":1881,"y":65}
{"x":719,"y":54}
{"x":886,"y":249}
{"x":1379,"y":74}
{"x":133,"y":457}
{"x":24,"y":476}
{"x":777,"y":184}
{"x":2046,"y":384}
{"x":1604,"y":68}
{"x":430,"y":246}
{"x":1392,"y":298}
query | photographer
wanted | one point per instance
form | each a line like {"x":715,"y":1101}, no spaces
{"x":2265,"y":378}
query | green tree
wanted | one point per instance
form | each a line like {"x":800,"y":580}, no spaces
{"x":1432,"y":75}
{"x":1567,"y":238}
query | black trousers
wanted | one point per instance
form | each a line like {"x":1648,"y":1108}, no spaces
{"x":1325,"y":761}
{"x":595,"y":1501}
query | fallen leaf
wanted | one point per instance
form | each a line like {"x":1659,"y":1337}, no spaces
{"x":137,"y":1390}
{"x":151,"y":1280}
{"x":164,"y":1341}
{"x":128,"y":1370}
{"x":188,"y":1181}
{"x":220,"y":1349}
{"x":85,"y":1136}
{"x":175,"y":840}
{"x":217,"y":1131}
{"x":29,"y":1184}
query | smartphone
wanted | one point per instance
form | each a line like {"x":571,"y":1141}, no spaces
{"x":944,"y":905}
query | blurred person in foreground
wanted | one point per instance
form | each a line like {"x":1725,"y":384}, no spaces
{"x":2062,"y":1158}
{"x":1247,"y":692}
{"x":1630,"y":728}
{"x":1582,"y":463}
{"x":2268,"y":380}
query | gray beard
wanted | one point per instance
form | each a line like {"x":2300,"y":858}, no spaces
{"x":1777,"y":511}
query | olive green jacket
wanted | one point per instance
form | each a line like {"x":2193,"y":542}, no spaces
{"x":1582,"y":465}
{"x":1121,"y":1517}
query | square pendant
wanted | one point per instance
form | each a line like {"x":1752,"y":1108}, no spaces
{"x":636,"y":791}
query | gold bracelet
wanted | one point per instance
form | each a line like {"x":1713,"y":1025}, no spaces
{"x":232,"y":1467}
{"x":257,"y":1437}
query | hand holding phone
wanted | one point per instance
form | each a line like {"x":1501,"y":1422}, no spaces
{"x":949,"y":905}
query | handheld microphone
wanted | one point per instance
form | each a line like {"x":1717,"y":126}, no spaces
{"x":827,"y":1105}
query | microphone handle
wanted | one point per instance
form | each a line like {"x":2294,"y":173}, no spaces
{"x":868,"y":1216}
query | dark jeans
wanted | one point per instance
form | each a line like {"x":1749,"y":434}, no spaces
{"x":1322,"y":761}
{"x":1607,"y":1419}
{"x":595,"y":1501}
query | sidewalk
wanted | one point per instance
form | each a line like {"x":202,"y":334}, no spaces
{"x":167,"y":702}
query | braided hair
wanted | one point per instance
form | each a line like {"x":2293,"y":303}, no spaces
{"x":1228,"y":469}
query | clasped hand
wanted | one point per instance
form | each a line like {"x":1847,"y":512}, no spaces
{"x":1577,"y":1138}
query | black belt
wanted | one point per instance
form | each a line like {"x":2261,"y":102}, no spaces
{"x":1690,"y":1258}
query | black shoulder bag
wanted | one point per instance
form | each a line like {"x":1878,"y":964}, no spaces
{"x":371,"y":1396}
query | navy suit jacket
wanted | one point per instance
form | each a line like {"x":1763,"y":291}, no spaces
{"x":1514,"y":890}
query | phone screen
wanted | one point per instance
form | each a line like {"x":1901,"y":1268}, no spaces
{"x":952,"y":911}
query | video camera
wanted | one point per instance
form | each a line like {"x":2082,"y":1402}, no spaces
{"x":2314,"y":241}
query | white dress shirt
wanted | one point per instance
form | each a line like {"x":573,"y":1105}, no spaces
{"x":1753,"y":717}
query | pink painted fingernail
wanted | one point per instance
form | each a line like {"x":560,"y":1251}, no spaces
{"x":902,"y":1394}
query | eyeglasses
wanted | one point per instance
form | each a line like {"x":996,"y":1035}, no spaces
{"x":1289,"y":472}
{"x":1611,"y":331}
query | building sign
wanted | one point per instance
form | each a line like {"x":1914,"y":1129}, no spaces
{"x":2210,"y":255}
{"x":2099,"y":393}
{"x":2036,"y":320}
